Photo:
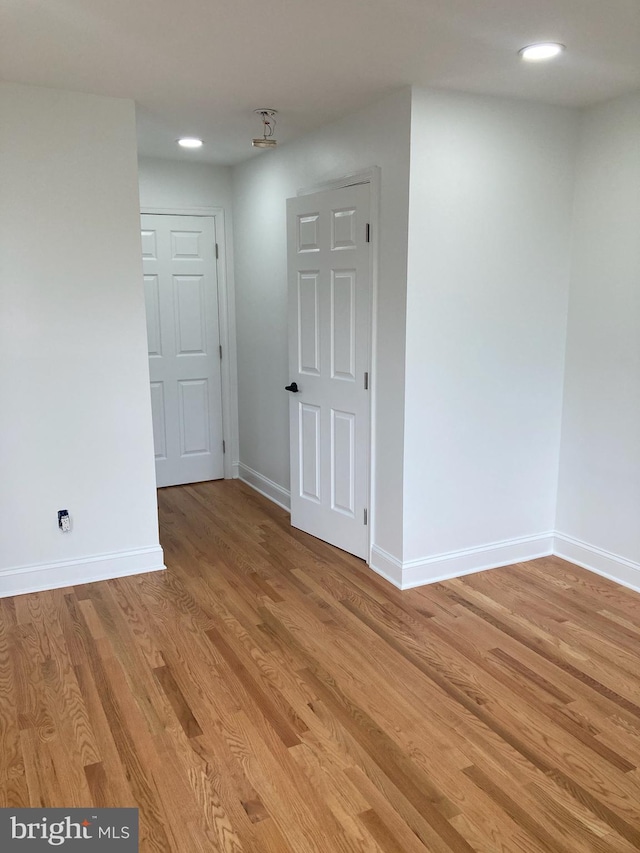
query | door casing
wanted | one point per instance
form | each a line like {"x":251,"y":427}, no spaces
{"x":226,"y":319}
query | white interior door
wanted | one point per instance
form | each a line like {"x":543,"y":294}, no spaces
{"x":329,"y":321}
{"x":181,"y":295}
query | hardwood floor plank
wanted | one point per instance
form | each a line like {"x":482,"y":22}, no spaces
{"x":542,"y":646}
{"x":14,"y":793}
{"x":521,"y":670}
{"x":584,"y":832}
{"x":120,"y":710}
{"x":178,"y":702}
{"x":278,"y":722}
{"x":40,"y":773}
{"x":11,"y":763}
{"x":403,"y":773}
{"x":114,"y":784}
{"x":515,"y":811}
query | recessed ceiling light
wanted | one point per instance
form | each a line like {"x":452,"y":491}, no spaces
{"x":541,"y":51}
{"x":190,"y":142}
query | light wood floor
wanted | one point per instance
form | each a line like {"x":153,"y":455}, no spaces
{"x":269,"y":693}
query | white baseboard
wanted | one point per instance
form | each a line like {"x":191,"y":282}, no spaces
{"x":604,"y":563}
{"x":455,"y":564}
{"x":235,"y":470}
{"x":25,"y":579}
{"x":386,"y":565}
{"x":265,"y":486}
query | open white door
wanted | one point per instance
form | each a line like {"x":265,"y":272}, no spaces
{"x":329,"y":320}
{"x":181,"y":295}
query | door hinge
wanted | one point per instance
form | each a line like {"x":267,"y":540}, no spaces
{"x":368,"y":238}
{"x":217,"y":253}
{"x":224,"y":446}
{"x":366,"y":517}
{"x":220,"y":350}
{"x":366,"y":381}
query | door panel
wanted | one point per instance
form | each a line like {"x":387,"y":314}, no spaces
{"x":309,"y":431}
{"x":343,"y":473}
{"x":307,"y":233}
{"x":343,"y":229}
{"x":194,"y":416}
{"x":186,"y":245}
{"x":329,"y":321}
{"x":158,"y":415}
{"x":191,"y":315}
{"x":183,"y":338}
{"x":149,"y":250}
{"x":343,"y":324}
{"x":152,"y":301}
{"x":308,"y":320}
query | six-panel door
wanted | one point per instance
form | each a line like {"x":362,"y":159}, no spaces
{"x":181,"y":298}
{"x":329,"y":321}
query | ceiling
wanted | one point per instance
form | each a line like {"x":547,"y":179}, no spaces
{"x":200,"y":67}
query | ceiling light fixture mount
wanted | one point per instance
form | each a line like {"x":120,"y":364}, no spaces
{"x":267,"y":116}
{"x":190,"y":142}
{"x":541,"y":51}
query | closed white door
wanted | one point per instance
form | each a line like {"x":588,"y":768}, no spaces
{"x":181,"y":295}
{"x":329,"y":321}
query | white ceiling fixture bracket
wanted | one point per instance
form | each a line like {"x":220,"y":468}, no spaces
{"x":267,"y":116}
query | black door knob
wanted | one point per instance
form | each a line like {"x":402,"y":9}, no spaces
{"x":293,"y":387}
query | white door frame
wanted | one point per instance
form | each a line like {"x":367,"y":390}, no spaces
{"x":226,"y":319}
{"x":371,"y":176}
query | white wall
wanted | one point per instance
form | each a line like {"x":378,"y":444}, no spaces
{"x":599,"y":495}
{"x":174,"y":184}
{"x":75,"y":415}
{"x":488,"y":272}
{"x":378,"y":135}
